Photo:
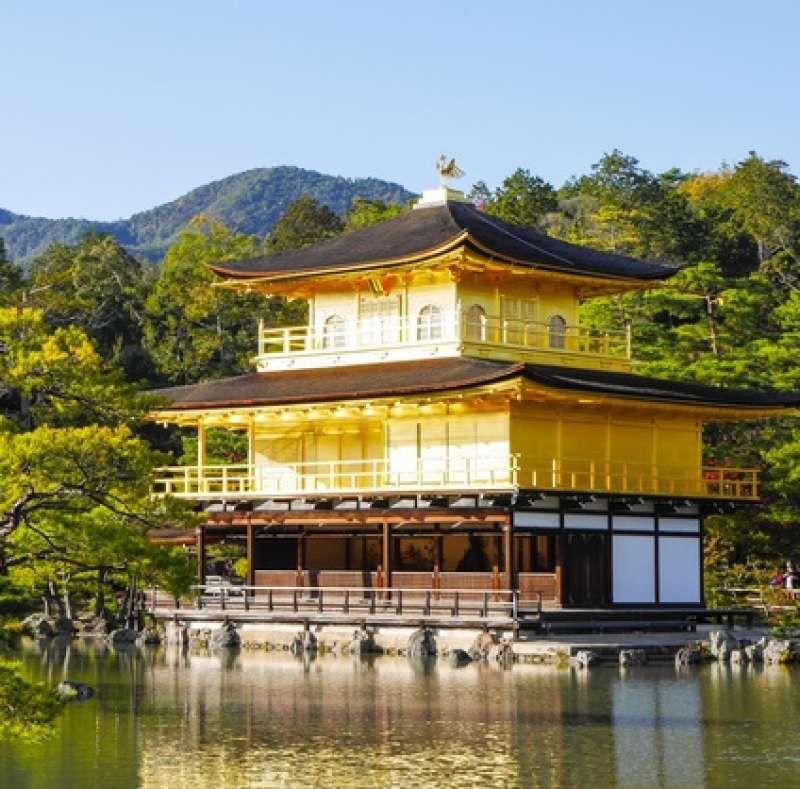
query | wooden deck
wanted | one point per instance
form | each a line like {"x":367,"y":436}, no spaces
{"x":403,"y":607}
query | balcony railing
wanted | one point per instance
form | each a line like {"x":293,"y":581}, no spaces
{"x":507,"y":473}
{"x":393,"y":332}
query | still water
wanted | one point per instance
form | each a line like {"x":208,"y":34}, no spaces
{"x":166,"y":719}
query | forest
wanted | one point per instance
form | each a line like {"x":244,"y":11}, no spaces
{"x":88,"y":328}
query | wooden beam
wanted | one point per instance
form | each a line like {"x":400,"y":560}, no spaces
{"x":387,"y":553}
{"x":251,"y":554}
{"x":508,"y":556}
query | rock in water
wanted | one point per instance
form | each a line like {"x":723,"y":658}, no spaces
{"x":689,"y":655}
{"x":721,"y":643}
{"x":755,"y":653}
{"x":148,"y":637}
{"x":585,"y":658}
{"x":37,"y":625}
{"x":226,"y":636}
{"x":632,"y":657}
{"x":501,"y":653}
{"x":481,"y":645}
{"x":74,"y":691}
{"x":421,"y":644}
{"x":458,"y":658}
{"x":779,"y":651}
{"x":303,"y":642}
{"x":363,"y":643}
{"x":43,"y":629}
{"x":63,"y":626}
{"x":122,"y":636}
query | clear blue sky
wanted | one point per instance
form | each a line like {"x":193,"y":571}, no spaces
{"x":111,"y":107}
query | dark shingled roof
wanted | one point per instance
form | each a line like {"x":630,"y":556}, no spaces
{"x":418,"y":232}
{"x":437,"y":375}
{"x":352,"y":382}
{"x":643,"y":387}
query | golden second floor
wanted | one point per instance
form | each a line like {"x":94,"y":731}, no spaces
{"x":488,"y":442}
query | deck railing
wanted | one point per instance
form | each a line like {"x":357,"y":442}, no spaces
{"x":490,"y":474}
{"x":352,"y":601}
{"x":390,"y":332}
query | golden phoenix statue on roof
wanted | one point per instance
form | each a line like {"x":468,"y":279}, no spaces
{"x":448,"y":170}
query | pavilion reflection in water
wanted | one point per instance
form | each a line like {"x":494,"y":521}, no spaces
{"x":277,"y":720}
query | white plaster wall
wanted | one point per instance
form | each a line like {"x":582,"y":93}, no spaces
{"x":679,"y":569}
{"x":634,"y":569}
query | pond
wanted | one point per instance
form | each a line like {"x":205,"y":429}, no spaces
{"x":163,"y":718}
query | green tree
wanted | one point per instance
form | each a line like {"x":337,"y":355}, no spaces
{"x":10,"y":274}
{"x":364,"y":213}
{"x":27,"y":709}
{"x":195,"y":330}
{"x":75,"y":475}
{"x":305,"y":222}
{"x":97,"y":286}
{"x":766,"y":198}
{"x":522,"y":199}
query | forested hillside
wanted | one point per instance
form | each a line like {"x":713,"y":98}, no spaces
{"x":249,"y":202}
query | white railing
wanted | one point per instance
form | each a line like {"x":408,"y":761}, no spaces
{"x":391,"y":332}
{"x":506,"y":473}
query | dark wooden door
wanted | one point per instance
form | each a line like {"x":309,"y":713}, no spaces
{"x":586,"y":569}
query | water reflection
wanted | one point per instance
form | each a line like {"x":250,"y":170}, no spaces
{"x":179,"y":719}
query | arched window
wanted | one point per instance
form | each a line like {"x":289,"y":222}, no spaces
{"x":333,"y":334}
{"x":557,"y":332}
{"x":475,"y":328}
{"x":429,"y":325}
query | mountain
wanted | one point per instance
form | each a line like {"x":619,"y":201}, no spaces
{"x":248,"y":202}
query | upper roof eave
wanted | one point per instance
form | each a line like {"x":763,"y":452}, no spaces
{"x":430,"y":231}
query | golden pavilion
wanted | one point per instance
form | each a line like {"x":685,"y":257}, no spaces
{"x":444,"y":421}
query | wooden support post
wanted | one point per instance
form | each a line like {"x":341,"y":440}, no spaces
{"x":508,"y":556}
{"x":251,"y":554}
{"x":437,"y":566}
{"x":200,"y":540}
{"x":301,"y":560}
{"x":387,"y":555}
{"x":558,"y":539}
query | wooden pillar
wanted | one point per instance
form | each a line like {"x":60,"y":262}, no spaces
{"x":251,"y":554}
{"x":200,"y":539}
{"x":559,"y":566}
{"x":301,"y":559}
{"x":387,"y":554}
{"x":508,"y":556}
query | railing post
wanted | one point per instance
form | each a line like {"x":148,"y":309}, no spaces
{"x":628,"y":340}
{"x":286,"y":340}
{"x":260,"y":337}
{"x":269,"y":600}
